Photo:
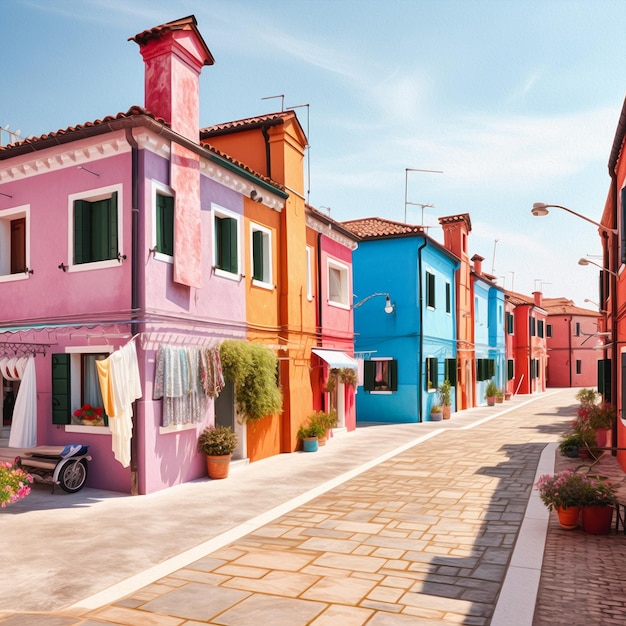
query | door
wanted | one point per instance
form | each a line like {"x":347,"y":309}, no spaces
{"x":226,"y":415}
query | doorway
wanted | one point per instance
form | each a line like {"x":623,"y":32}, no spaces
{"x":9,"y":393}
{"x":226,"y":415}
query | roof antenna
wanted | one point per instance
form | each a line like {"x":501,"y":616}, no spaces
{"x":282,"y":100}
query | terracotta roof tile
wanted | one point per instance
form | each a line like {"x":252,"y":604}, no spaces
{"x":246,"y":123}
{"x":461,"y":217}
{"x":133,"y":111}
{"x":378,"y":228}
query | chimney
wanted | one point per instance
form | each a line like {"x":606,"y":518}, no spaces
{"x":174,"y":54}
{"x":456,"y":228}
{"x":538,"y":298}
{"x":478,"y":263}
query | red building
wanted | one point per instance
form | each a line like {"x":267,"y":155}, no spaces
{"x":572,"y":337}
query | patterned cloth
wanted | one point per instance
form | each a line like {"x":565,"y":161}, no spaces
{"x":185,"y":378}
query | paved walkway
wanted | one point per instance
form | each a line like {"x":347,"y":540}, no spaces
{"x":393,"y":524}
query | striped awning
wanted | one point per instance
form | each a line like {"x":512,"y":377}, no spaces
{"x":335,"y":358}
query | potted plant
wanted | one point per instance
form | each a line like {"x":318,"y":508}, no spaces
{"x":577,"y":443}
{"x":436,"y":413}
{"x":309,"y":433}
{"x":563,"y":492}
{"x":327,"y":420}
{"x":602,"y":418}
{"x":445,"y":398}
{"x":89,"y":415}
{"x":586,"y":396}
{"x":598,"y":503}
{"x":490,"y":392}
{"x":499,"y":397}
{"x":218,"y":443}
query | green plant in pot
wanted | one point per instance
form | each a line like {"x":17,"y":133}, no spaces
{"x":436,"y":413}
{"x":309,"y":433}
{"x":327,"y":419}
{"x":445,"y":398}
{"x":218,"y":443}
{"x":491,"y":391}
{"x":578,"y":442}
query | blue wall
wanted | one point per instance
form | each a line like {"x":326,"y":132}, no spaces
{"x":393,"y":266}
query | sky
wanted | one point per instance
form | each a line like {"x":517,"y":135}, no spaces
{"x":414,"y":109}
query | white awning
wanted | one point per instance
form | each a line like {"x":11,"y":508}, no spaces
{"x":335,"y":359}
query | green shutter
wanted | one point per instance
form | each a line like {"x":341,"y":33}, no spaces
{"x":165,"y":224}
{"x":510,"y":369}
{"x":61,"y":389}
{"x":450,"y":371}
{"x":226,"y":236}
{"x":369,"y":372}
{"x":257,"y":255}
{"x":601,"y":376}
{"x":234,"y":259}
{"x":81,"y":231}
{"x":393,"y":375}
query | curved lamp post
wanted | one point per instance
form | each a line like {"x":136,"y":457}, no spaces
{"x":585,"y":261}
{"x":389,"y":306}
{"x":539,"y":210}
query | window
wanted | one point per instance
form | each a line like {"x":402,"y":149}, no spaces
{"x":338,"y":287}
{"x":75,"y":383}
{"x":448,"y":298}
{"x":485,"y":369}
{"x":164,"y":225}
{"x":510,"y":369}
{"x":226,"y":243}
{"x":540,"y":328}
{"x":579,"y":366}
{"x":95,"y":222}
{"x":430,"y":290}
{"x":261,"y":255}
{"x":577,"y":329}
{"x":432,"y":373}
{"x":534,"y":368}
{"x":548,"y":330}
{"x":510,"y":328}
{"x":531,"y":325}
{"x":380,"y":375}
{"x":14,"y":238}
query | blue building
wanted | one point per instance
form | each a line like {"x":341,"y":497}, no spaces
{"x":489,"y":341}
{"x":408,"y":340}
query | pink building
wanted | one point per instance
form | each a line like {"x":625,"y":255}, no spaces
{"x":117,"y":231}
{"x":572,"y":336}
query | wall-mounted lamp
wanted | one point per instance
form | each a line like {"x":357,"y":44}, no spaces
{"x":390,"y":307}
{"x":584,"y":261}
{"x":540,"y":209}
{"x":254,"y":195}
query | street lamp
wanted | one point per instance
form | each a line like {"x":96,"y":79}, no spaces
{"x":584,"y":261}
{"x":540,"y":209}
{"x":389,"y":306}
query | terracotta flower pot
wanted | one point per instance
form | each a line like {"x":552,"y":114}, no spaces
{"x":568,"y":517}
{"x":597,"y":519}
{"x":603,"y":437}
{"x":446,"y":411}
{"x":218,"y":466}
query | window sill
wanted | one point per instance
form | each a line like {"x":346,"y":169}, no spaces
{"x":96,"y":265}
{"x":166,"y":258}
{"x":92,"y":430}
{"x":263,"y":284}
{"x":227,"y":275}
{"x":165,"y":430}
{"x":11,"y":277}
{"x":339,"y":305}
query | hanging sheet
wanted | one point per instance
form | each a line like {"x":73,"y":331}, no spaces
{"x":121,"y":386}
{"x":24,"y":424}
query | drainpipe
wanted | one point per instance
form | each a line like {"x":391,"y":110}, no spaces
{"x":614,"y":267}
{"x":420,"y":386}
{"x":570,"y":350}
{"x":134,"y":298}
{"x":268,"y":159}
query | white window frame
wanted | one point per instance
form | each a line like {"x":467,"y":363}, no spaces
{"x":220,"y":211}
{"x":344,"y":270}
{"x":158,"y":188}
{"x":268,"y":256}
{"x":93,"y":195}
{"x":76,"y":376}
{"x":6,"y":217}
{"x":309,"y":273}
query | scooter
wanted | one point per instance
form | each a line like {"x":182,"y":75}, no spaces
{"x":56,"y":465}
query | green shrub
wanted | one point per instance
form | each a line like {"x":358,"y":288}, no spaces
{"x":252,"y":368}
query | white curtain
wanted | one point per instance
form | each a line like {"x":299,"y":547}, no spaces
{"x":24,"y":424}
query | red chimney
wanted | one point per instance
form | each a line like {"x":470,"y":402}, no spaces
{"x":538,"y":298}
{"x":174,"y":54}
{"x":478,"y":263}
